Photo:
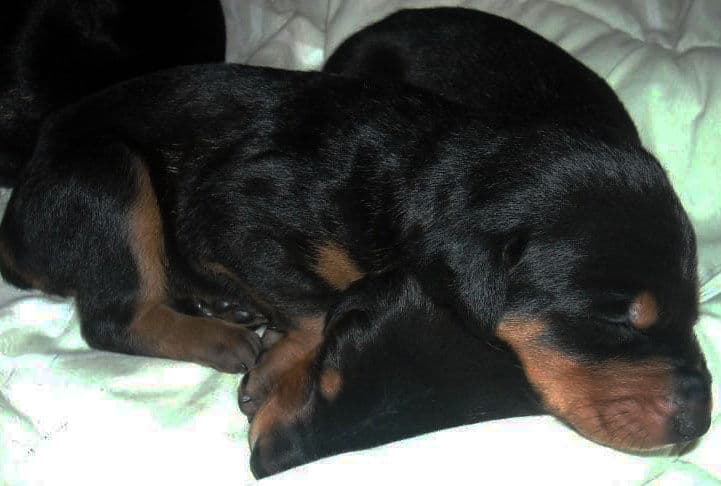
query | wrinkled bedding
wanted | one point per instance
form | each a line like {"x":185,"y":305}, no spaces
{"x":71,"y":415}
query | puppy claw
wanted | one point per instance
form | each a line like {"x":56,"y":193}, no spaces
{"x":220,"y":306}
{"x":203,"y":309}
{"x":228,"y":311}
{"x":252,"y":393}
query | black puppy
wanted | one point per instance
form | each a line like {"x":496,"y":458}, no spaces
{"x":285,"y":188}
{"x":391,"y":364}
{"x":488,"y":62}
{"x":53,"y":52}
{"x":481,"y":60}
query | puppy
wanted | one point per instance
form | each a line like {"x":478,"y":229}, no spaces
{"x":488,"y":62}
{"x":391,"y":364}
{"x":275,"y":191}
{"x":480,"y":60}
{"x":53,"y":52}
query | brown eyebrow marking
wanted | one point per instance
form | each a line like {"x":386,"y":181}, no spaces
{"x":643,"y":312}
{"x":331,"y":383}
{"x":335,"y":265}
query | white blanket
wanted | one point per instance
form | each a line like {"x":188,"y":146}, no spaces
{"x":71,"y":415}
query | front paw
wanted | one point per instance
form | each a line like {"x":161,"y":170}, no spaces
{"x":285,"y":356}
{"x":254,"y":389}
{"x":229,"y":349}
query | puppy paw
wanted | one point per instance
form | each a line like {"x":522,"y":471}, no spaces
{"x":233,"y":350}
{"x":255,"y":388}
{"x":281,"y":354}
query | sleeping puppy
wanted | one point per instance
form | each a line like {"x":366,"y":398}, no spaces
{"x":275,"y":191}
{"x":391,"y":364}
{"x":603,"y":373}
{"x":488,"y":62}
{"x":53,"y":52}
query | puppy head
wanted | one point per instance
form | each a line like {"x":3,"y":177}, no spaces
{"x":602,"y":299}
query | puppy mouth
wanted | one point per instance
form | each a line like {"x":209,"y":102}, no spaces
{"x":636,"y":414}
{"x":654,"y":409}
{"x":630,"y":423}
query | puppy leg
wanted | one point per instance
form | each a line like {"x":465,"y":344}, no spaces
{"x":70,"y":229}
{"x":155,"y":329}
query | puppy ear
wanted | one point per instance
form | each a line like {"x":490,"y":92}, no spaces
{"x":353,"y":322}
{"x":342,"y":319}
{"x":366,"y":303}
{"x":352,"y":307}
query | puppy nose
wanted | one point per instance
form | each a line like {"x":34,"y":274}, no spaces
{"x":693,"y":398}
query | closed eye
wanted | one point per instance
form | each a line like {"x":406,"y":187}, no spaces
{"x":615,"y":312}
{"x":616,"y":317}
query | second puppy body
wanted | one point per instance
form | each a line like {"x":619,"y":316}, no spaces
{"x":483,"y":61}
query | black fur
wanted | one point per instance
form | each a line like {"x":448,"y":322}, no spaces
{"x":488,"y":62}
{"x":53,"y":52}
{"x":582,"y":283}
{"x":407,"y":368}
{"x":494,"y":218}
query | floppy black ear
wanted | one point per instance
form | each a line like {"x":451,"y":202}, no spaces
{"x":366,"y":302}
{"x":367,"y":297}
{"x":356,"y":321}
{"x":352,"y":306}
{"x":470,"y":277}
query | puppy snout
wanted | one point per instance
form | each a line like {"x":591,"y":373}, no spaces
{"x":692,"y":396}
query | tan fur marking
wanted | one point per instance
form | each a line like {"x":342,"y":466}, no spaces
{"x":157,"y":329}
{"x":311,"y":327}
{"x":146,"y":240}
{"x":287,"y":401}
{"x":643,"y":312}
{"x":335,"y":265}
{"x":331,"y":383}
{"x":165,"y":333}
{"x":287,"y":366}
{"x":294,"y":347}
{"x":170,"y":333}
{"x":618,"y":403}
